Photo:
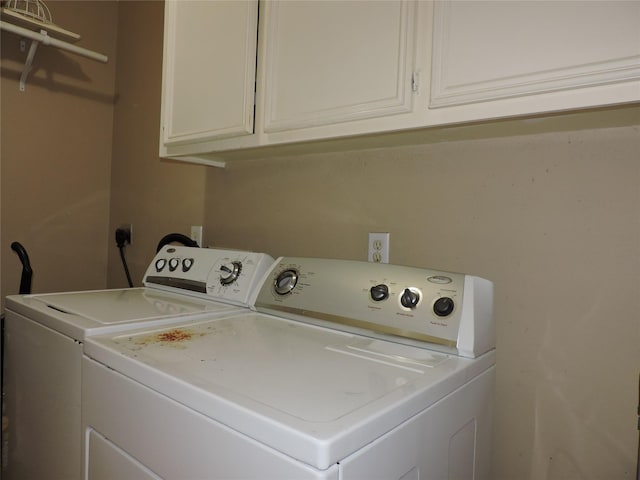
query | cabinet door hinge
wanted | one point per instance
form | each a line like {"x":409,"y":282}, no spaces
{"x":415,"y":82}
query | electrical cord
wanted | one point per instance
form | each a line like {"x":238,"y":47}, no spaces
{"x":122,"y":238}
{"x":126,"y":268}
{"x":176,"y":237}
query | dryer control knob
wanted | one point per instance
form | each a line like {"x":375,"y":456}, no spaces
{"x":443,"y":306}
{"x":409,"y":298}
{"x":286,"y":282}
{"x":230,"y":273}
{"x":379,"y":292}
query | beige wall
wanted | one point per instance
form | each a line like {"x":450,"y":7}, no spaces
{"x":78,"y":124}
{"x":56,"y":154}
{"x":551,"y":218}
{"x":156,"y":197}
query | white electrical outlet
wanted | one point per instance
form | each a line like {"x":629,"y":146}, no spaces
{"x":196,"y":234}
{"x":378,"y":247}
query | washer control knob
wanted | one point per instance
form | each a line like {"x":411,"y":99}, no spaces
{"x":379,"y":292}
{"x":409,"y":298}
{"x":187,"y":263}
{"x":286,"y":281}
{"x":160,"y":264}
{"x":173,"y":264}
{"x":443,"y":306}
{"x":230,"y":273}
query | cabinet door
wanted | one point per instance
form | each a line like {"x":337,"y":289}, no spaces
{"x":209,"y":70}
{"x":328,"y":62}
{"x":494,"y":49}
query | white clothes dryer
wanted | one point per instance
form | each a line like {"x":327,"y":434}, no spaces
{"x":345,"y":371}
{"x":45,"y":335}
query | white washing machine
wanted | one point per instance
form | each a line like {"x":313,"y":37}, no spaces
{"x":45,"y":335}
{"x":343,"y":370}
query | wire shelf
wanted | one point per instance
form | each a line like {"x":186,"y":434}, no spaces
{"x":34,"y":9}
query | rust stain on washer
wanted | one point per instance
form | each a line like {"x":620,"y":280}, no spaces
{"x":174,"y":336}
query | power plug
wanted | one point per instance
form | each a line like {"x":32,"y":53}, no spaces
{"x":123,"y":236}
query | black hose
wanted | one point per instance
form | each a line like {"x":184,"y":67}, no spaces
{"x":176,"y":237}
{"x":27,"y":272}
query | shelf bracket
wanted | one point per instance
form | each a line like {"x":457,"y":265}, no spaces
{"x":29,"y":61}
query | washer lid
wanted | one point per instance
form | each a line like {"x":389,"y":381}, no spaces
{"x":125,"y":305}
{"x":313,"y":393}
{"x":77,"y":314}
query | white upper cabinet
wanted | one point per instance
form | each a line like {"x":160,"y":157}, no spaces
{"x":490,"y":50}
{"x":322,"y":69}
{"x":325,"y":69}
{"x":328,"y":62}
{"x":209,"y":71}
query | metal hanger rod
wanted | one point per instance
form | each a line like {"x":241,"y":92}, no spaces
{"x":53,"y":42}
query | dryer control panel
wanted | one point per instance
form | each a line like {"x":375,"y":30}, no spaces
{"x":444,"y":311}
{"x":217,"y":274}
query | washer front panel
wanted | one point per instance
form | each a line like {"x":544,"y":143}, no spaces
{"x":223,"y":275}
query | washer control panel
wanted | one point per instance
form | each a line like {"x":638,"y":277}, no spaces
{"x":407,"y":304}
{"x":224,"y":275}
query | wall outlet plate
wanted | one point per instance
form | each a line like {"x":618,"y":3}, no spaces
{"x":378,"y":251}
{"x":196,"y":234}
